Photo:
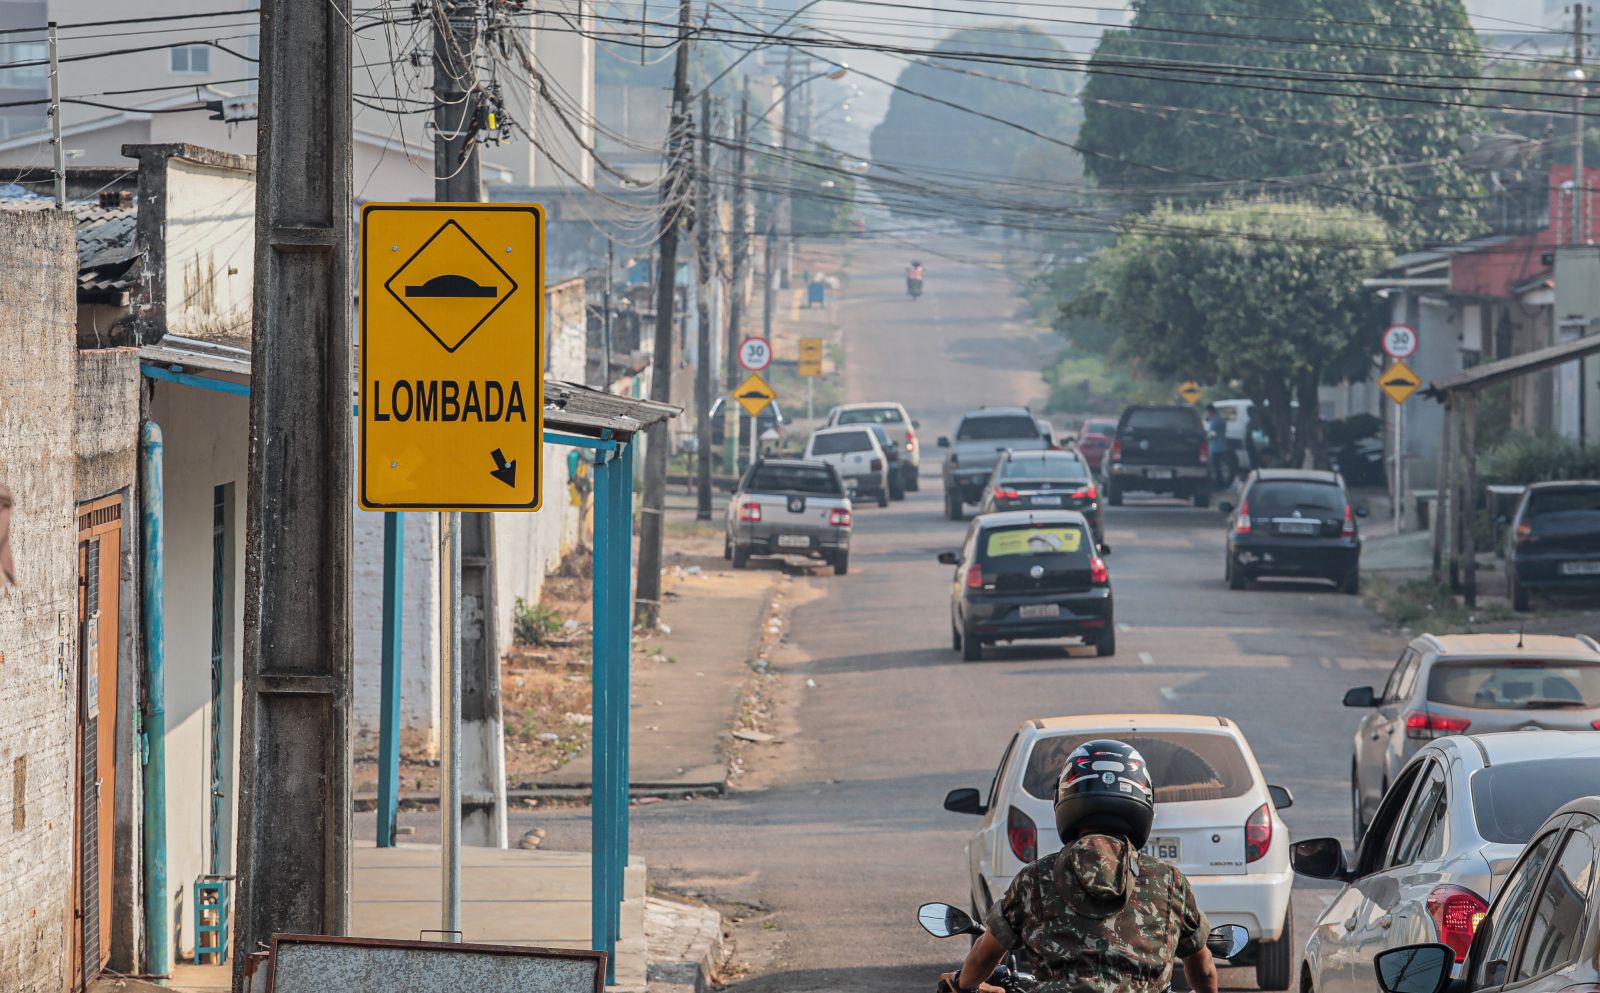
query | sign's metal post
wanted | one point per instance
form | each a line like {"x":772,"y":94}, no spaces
{"x":602,"y":938}
{"x":1399,"y":466}
{"x":450,"y":724}
{"x":810,"y":394}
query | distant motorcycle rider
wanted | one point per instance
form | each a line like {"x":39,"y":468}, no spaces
{"x":1099,"y":916}
{"x":914,"y":277}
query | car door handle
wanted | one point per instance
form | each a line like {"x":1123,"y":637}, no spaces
{"x":1350,"y":924}
{"x":1386,"y":921}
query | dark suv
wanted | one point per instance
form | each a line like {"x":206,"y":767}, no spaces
{"x":1293,"y":522}
{"x":1159,"y":449}
{"x":1054,"y":480}
{"x":1029,"y":574}
{"x":1553,"y":543}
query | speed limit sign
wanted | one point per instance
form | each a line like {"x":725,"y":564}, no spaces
{"x":1399,"y":341}
{"x":755,"y":354}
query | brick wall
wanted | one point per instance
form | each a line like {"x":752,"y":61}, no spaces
{"x":38,"y":615}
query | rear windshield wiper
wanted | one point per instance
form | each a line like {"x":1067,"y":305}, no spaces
{"x":1552,"y":703}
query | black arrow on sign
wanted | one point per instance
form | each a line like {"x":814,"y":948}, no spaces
{"x":506,"y":472}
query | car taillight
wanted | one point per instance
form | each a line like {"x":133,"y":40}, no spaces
{"x":1205,"y":453}
{"x":1595,"y":725}
{"x":1258,"y":834}
{"x":1099,"y":575}
{"x":1349,"y":529}
{"x":911,"y":440}
{"x":1023,"y":835}
{"x":1242,"y":525}
{"x":1456,"y":912}
{"x":1524,"y":532}
{"x":877,"y":465}
{"x":1423,"y":725}
{"x":839,"y":517}
{"x":1116,"y":450}
{"x":975,"y":576}
{"x":1085,"y":492}
{"x":1006,"y":493}
{"x":750,"y":512}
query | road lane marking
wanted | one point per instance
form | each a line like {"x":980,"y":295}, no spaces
{"x":1147,"y":658}
{"x":1168,"y":693}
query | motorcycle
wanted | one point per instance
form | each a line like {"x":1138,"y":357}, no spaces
{"x":944,"y":921}
{"x":914,"y":288}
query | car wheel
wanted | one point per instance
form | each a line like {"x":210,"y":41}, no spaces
{"x":952,"y":506}
{"x":971,"y":647}
{"x":1519,"y":597}
{"x":741,"y":557}
{"x":883,"y":496}
{"x":913,"y":484}
{"x":727,"y":546}
{"x":897,"y":486}
{"x":1234,"y":574}
{"x":1107,"y":645}
{"x":1351,"y":583}
{"x":1273,"y":957}
{"x":1202,"y":497}
{"x":955,"y":646}
{"x":1113,"y":495}
{"x":841,"y":562}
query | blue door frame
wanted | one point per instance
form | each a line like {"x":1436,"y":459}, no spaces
{"x":612,"y":673}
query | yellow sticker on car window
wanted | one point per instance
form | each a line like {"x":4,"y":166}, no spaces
{"x":1035,"y":541}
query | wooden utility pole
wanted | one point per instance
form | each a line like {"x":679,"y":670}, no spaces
{"x":705,"y":216}
{"x":293,"y":860}
{"x":647,"y":588}
{"x":740,"y":248}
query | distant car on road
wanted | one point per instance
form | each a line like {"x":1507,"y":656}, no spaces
{"x":898,"y":469}
{"x":771,"y":419}
{"x":789,"y":507}
{"x":1541,"y":935}
{"x":896,"y":419}
{"x":1216,"y":819}
{"x":857,"y":456}
{"x":1029,"y":575}
{"x":1452,"y":684}
{"x":1296,"y":523}
{"x":1094,"y":440}
{"x":981,"y":435}
{"x":1440,"y":846}
{"x":1049,"y":480}
{"x":1159,"y":448}
{"x":1553,"y":542}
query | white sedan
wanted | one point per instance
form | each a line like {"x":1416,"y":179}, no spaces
{"x":1216,"y":819}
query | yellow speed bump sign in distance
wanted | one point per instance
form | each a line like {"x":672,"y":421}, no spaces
{"x":1190,"y":391}
{"x":1399,"y":382}
{"x":754,"y":395}
{"x":452,"y":349}
{"x":810,"y":356}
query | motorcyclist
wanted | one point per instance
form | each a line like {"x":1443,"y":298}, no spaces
{"x":914,"y":276}
{"x":1099,"y":916}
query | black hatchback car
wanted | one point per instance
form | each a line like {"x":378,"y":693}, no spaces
{"x":1026,"y":575}
{"x":1553,"y":543}
{"x":1048,"y":480}
{"x":1293,"y":523}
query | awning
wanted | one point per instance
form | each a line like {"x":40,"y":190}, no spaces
{"x":1490,"y":373}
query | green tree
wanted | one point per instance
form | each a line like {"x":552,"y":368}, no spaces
{"x":1260,"y":294}
{"x":1169,"y":113}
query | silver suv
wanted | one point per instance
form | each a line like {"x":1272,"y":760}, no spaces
{"x":1469,"y":682}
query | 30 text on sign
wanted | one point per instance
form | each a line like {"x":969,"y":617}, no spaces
{"x":452,"y":356}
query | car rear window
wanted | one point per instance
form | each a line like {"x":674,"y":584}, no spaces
{"x":1056,"y":466}
{"x":1282,"y":497}
{"x":794,"y":479}
{"x":838,"y":444}
{"x":1184,"y":765}
{"x":1052,"y":539}
{"x":997,"y":427}
{"x":1100,"y":427}
{"x":1510,"y":801}
{"x":1163,"y":419}
{"x":876,"y":415}
{"x":1569,"y":511}
{"x":1515,"y":684}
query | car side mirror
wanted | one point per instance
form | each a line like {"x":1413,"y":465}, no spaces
{"x":1226,"y":506}
{"x":1319,"y":858}
{"x":943,"y":442}
{"x":1360,"y":696}
{"x":948,"y":558}
{"x":1282,"y":799}
{"x":964,"y":801}
{"x":1415,"y":968}
{"x":1362,"y":510}
{"x":916,"y":423}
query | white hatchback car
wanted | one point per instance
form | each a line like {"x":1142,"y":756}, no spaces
{"x":1216,"y":819}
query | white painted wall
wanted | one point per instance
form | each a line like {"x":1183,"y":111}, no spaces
{"x":210,"y":248}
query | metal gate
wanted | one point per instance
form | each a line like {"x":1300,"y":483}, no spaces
{"x":99,"y":588}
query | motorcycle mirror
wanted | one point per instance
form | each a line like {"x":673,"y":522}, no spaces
{"x":944,"y":921}
{"x":1227,"y":940}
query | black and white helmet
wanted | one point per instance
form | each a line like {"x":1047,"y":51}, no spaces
{"x":1105,"y":789}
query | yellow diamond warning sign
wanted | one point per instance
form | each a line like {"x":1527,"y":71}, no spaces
{"x":452,"y":346}
{"x":754,"y":394}
{"x":1399,"y":382}
{"x":1190,"y":391}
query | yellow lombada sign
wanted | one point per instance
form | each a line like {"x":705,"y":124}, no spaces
{"x":452,"y":356}
{"x":810,"y":356}
{"x":1399,"y":382}
{"x":1190,"y":391}
{"x":754,"y":395}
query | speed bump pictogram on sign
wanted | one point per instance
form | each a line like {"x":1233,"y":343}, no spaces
{"x":1399,"y":382}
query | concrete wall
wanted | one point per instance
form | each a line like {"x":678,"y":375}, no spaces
{"x":38,"y":615}
{"x":206,"y":437}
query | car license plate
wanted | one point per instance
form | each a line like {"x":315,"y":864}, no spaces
{"x":1165,"y":849}
{"x":1297,"y":527}
{"x":793,"y":541}
{"x":1159,"y":474}
{"x":1047,"y":501}
{"x":1039,"y":610}
{"x":1580,"y":568}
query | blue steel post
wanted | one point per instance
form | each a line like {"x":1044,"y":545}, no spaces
{"x":157,"y":933}
{"x":622,"y":515}
{"x":394,"y":531}
{"x":602,"y":931}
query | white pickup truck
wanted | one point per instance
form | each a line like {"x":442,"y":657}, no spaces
{"x":789,"y":507}
{"x":856,"y":456}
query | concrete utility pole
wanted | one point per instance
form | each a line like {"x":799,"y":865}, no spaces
{"x":705,"y":215}
{"x":1579,"y":213}
{"x":294,"y":743}
{"x":647,"y":588}
{"x":605,"y":318}
{"x":786,"y":174}
{"x":740,"y":249}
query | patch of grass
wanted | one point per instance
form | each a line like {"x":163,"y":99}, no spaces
{"x":1425,"y":605}
{"x":533,"y":624}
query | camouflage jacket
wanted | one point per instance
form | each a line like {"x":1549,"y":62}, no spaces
{"x":1100,"y":917}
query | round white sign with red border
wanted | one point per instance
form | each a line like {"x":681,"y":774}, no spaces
{"x":755,"y":354}
{"x":1399,"y":341}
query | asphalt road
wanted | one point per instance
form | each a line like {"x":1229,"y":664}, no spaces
{"x":842,"y":849}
